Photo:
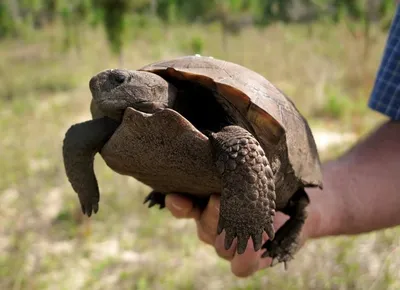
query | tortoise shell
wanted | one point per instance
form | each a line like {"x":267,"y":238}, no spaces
{"x":271,"y":115}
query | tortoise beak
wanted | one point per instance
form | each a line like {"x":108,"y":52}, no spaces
{"x":96,"y":82}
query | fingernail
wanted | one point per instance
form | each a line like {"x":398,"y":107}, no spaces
{"x":214,"y":202}
{"x":176,"y":206}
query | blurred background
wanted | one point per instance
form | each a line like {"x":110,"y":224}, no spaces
{"x":323,"y":53}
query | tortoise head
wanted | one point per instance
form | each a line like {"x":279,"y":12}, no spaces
{"x":114,"y":90}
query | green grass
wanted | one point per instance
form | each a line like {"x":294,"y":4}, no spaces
{"x":45,"y":242}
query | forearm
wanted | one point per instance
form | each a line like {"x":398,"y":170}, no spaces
{"x":361,"y":188}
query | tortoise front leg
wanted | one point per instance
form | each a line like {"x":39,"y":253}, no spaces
{"x":81,"y":143}
{"x":248,"y":193}
{"x":155,"y":197}
{"x":158,"y":198}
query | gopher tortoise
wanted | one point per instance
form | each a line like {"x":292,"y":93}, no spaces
{"x":199,"y":125}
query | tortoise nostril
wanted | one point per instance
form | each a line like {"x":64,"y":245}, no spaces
{"x":119,"y":78}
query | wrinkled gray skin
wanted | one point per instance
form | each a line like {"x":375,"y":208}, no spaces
{"x":239,"y":167}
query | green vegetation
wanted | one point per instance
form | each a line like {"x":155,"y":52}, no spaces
{"x":19,"y":18}
{"x":46,"y":243}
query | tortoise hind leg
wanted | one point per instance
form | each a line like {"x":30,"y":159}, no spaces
{"x":248,"y":192}
{"x":286,"y":242}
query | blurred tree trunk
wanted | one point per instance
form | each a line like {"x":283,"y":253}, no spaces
{"x":15,"y":11}
{"x":370,"y":14}
{"x":153,"y":7}
{"x":224,"y":37}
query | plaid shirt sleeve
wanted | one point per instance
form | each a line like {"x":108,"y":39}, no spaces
{"x":385,"y":95}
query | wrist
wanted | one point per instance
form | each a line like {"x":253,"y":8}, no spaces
{"x":326,"y":208}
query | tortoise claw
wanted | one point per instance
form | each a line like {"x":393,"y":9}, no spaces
{"x":155,"y":198}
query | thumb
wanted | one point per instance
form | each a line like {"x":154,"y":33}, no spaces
{"x":181,"y":206}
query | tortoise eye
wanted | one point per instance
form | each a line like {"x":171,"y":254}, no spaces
{"x":119,"y":78}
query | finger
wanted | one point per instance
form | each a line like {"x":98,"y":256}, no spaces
{"x":210,"y":216}
{"x":246,"y":264}
{"x":280,"y":219}
{"x":208,"y":221}
{"x":181,"y":206}
{"x":220,"y":247}
{"x":203,"y":236}
{"x":264,"y":262}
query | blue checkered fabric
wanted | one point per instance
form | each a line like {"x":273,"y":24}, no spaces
{"x":385,"y":95}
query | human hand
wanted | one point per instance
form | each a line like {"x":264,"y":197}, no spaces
{"x":207,"y":220}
